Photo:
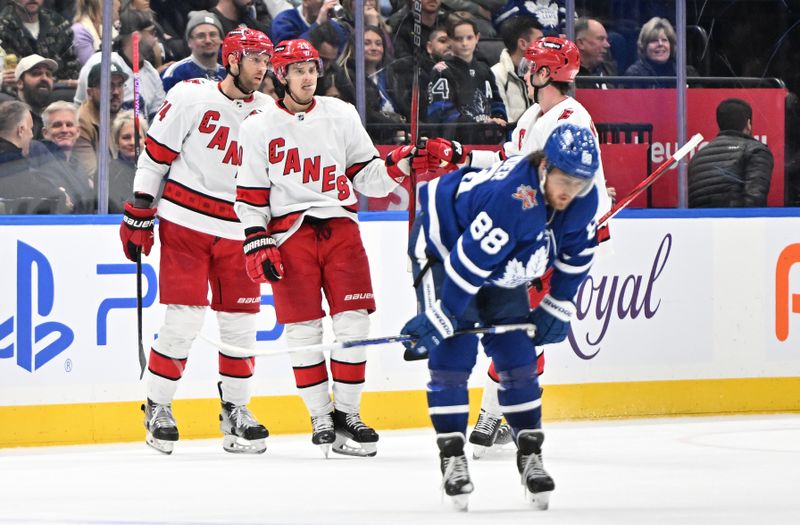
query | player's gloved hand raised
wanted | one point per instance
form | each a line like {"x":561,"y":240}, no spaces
{"x":262,"y":257}
{"x":429,"y":329}
{"x":398,"y":162}
{"x":552,"y":318}
{"x":445,"y":152}
{"x":136,"y":230}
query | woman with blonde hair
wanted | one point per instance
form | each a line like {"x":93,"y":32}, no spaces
{"x":122,"y":167}
{"x":656,"y":49}
{"x":87,"y":27}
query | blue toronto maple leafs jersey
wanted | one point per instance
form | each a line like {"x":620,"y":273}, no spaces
{"x":492,"y":227}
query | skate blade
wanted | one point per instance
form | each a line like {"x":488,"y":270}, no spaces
{"x":347,"y":447}
{"x":237,"y":445}
{"x":478,"y":451}
{"x":460,"y":502}
{"x":326,"y":449}
{"x":539,"y":500}
{"x":165,"y":447}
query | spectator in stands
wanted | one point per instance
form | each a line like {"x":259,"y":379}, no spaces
{"x":204,"y":35}
{"x":518,"y":33}
{"x":402,"y":24}
{"x":34,"y":76}
{"x":122,"y":167}
{"x":592,"y":41}
{"x":151,"y":90}
{"x":23,"y":189}
{"x":381,"y":108}
{"x":53,"y":156}
{"x":463,"y":90}
{"x":401,"y":73}
{"x":166,"y":48}
{"x":237,"y":13}
{"x":480,"y":11}
{"x":656,"y":48}
{"x":733,"y":170}
{"x":335,"y":82}
{"x":27,"y":29}
{"x":296,"y":23}
{"x":88,"y":143}
{"x":551,"y":14}
{"x":87,"y":27}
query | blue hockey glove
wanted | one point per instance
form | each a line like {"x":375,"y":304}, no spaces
{"x":552,"y":318}
{"x":430,"y":328}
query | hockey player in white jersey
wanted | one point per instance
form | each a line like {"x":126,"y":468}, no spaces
{"x":479,"y":238}
{"x":549,"y":67}
{"x":304,"y":159}
{"x":193,"y":148}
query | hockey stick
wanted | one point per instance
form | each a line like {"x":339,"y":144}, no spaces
{"x":652,"y":178}
{"x":416,"y":36}
{"x":135,"y":44}
{"x":268,"y":352}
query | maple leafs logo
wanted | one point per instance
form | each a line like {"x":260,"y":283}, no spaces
{"x":517,"y":274}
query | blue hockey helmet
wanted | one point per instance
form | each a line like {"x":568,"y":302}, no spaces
{"x":573,"y":150}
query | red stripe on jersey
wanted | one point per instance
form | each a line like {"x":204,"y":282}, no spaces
{"x":283,"y":223}
{"x":236,"y":366}
{"x":493,"y":373}
{"x":198,"y":202}
{"x":353,"y":170}
{"x":166,"y":367}
{"x":540,"y":364}
{"x":348,"y":372}
{"x":159,"y":152}
{"x":306,"y":376}
{"x":253,"y":196}
{"x":352,"y":209}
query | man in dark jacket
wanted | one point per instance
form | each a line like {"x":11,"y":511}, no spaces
{"x":734,"y":169}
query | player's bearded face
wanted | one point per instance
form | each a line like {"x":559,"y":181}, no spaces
{"x":560,"y":189}
{"x":252,"y":70}
{"x":301,"y":80}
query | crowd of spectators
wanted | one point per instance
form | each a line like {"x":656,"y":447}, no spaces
{"x":470,"y":50}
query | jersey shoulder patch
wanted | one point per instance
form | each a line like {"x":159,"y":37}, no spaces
{"x":565,"y":114}
{"x":440,"y":66}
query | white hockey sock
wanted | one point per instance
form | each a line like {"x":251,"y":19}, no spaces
{"x":348,"y":365}
{"x":490,"y":403}
{"x":237,"y":329}
{"x":310,"y":370}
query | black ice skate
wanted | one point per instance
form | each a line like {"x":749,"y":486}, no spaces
{"x":537,"y":482}
{"x":485,"y":433}
{"x":353,"y":437}
{"x":243,"y":434}
{"x":162,"y":433}
{"x":323,"y":433}
{"x":455,"y":471}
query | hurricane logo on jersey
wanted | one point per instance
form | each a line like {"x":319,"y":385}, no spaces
{"x":527,"y":195}
{"x":517,"y":274}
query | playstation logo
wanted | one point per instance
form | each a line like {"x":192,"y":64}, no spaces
{"x":34,"y":274}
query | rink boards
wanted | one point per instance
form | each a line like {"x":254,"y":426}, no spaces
{"x":685,"y":313}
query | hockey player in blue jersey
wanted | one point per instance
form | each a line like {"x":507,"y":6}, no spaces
{"x":479,"y":238}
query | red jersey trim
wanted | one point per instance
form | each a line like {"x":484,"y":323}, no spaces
{"x":280,"y":103}
{"x":253,"y":196}
{"x":354,"y":169}
{"x":248,"y":98}
{"x":190,"y":199}
{"x":159,"y":152}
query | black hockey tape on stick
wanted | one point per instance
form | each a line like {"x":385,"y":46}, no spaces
{"x":142,"y":359}
{"x":416,"y":37}
{"x":267,"y":352}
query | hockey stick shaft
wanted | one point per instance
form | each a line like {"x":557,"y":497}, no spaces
{"x":268,"y":352}
{"x":652,"y":178}
{"x":414,"y":128}
{"x":135,"y":43}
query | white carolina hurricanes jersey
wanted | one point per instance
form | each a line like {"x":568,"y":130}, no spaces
{"x":194,"y":142}
{"x":533,"y":128}
{"x":308,"y":163}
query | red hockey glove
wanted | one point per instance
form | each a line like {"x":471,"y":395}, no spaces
{"x":136,"y":230}
{"x":398,"y":162}
{"x":424,"y":163}
{"x":446,"y":151}
{"x":262,"y":258}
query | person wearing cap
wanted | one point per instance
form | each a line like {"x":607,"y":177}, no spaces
{"x":34,"y":77}
{"x":151,"y":91}
{"x":26,"y":28}
{"x":204,"y":37}
{"x":88,"y":143}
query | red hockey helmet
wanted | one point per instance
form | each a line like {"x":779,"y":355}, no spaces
{"x":561,"y":56}
{"x":242,"y":41}
{"x":293,"y":52}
